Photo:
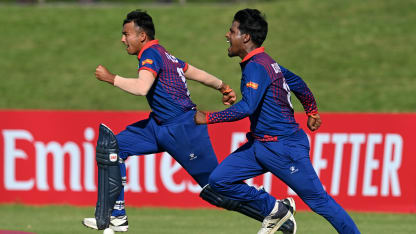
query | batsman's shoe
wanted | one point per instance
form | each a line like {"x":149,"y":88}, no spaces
{"x":279,"y":215}
{"x":289,"y":227}
{"x":117,"y":223}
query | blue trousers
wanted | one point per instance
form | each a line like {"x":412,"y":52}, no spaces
{"x":288,"y":159}
{"x":189,"y":144}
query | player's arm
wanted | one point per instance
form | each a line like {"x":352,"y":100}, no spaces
{"x":138,"y":86}
{"x":255,"y":82}
{"x":305,"y":96}
{"x":203,"y":77}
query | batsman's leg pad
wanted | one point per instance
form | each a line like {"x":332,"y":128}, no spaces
{"x":216,"y":199}
{"x":109,"y":176}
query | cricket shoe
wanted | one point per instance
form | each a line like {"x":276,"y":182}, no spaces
{"x":279,"y":215}
{"x":117,"y":223}
{"x":289,"y":227}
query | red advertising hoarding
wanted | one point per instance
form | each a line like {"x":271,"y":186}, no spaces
{"x":365,"y":161}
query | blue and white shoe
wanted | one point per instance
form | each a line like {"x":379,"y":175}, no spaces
{"x":279,"y":215}
{"x":289,"y":227}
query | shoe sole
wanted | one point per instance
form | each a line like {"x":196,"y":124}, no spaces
{"x":116,"y":229}
{"x":89,"y":225}
{"x":119,"y":228}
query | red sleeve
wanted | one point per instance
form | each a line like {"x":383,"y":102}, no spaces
{"x":149,"y":69}
{"x":185,"y":67}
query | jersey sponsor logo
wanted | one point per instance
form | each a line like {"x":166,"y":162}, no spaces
{"x":252,"y":85}
{"x":147,"y":61}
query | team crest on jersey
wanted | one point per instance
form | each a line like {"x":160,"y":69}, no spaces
{"x":147,"y":61}
{"x":252,"y":85}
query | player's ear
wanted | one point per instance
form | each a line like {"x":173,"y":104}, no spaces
{"x":246,"y":37}
{"x":142,"y":36}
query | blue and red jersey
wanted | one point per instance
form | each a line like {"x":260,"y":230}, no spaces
{"x":169,"y":96}
{"x":265,"y":89}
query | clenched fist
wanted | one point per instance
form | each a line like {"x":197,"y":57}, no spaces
{"x":314,"y":122}
{"x":229,"y":98}
{"x":228,"y":94}
{"x":104,"y":75}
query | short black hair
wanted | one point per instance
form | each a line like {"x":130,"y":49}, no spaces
{"x":143,"y":20}
{"x":254,"y":23}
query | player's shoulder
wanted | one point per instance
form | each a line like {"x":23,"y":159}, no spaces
{"x":263,"y":59}
{"x":150,"y":56}
{"x":151,"y":51}
{"x":255,"y":65}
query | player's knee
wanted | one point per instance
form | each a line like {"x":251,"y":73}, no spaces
{"x":216,"y":198}
{"x":216,"y":181}
{"x":107,"y":147}
{"x":219,"y":176}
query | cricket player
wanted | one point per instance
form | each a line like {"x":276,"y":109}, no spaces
{"x":170,"y":126}
{"x":276,"y":143}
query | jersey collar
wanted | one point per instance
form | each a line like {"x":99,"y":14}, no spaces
{"x":146,"y":46}
{"x":252,"y":53}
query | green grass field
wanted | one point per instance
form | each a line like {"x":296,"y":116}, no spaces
{"x":67,"y":219}
{"x":356,"y":56}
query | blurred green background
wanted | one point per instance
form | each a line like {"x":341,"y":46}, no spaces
{"x":356,"y":56}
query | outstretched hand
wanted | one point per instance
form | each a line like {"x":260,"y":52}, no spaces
{"x":314,"y":122}
{"x":200,"y":117}
{"x":101,"y":73}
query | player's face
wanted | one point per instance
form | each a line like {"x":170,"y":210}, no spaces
{"x":236,"y":40}
{"x":131,"y":38}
